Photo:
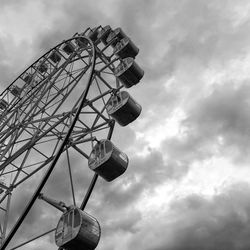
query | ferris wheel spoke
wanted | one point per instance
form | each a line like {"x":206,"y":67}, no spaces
{"x":12,"y":114}
{"x":3,"y":198}
{"x":34,"y":238}
{"x":102,"y":55}
{"x":41,"y":165}
{"x":42,"y":154}
{"x":21,"y":167}
{"x":14,"y":169}
{"x":7,"y":147}
{"x":29,"y":144}
{"x":44,"y":164}
{"x":4,"y":223}
{"x":71,"y":178}
{"x":28,"y":113}
{"x":100,"y":91}
{"x":48,"y":122}
{"x":65,"y":97}
{"x":77,"y":149}
{"x":108,"y":65}
{"x":104,"y":81}
{"x":47,"y":86}
{"x":98,"y":114}
{"x":64,"y":89}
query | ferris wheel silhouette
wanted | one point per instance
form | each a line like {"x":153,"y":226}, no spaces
{"x":67,"y":101}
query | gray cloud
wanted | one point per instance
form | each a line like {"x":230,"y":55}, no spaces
{"x":217,"y":122}
{"x":196,"y":222}
{"x":171,"y":36}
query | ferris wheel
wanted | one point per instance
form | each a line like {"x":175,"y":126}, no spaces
{"x":66,"y":103}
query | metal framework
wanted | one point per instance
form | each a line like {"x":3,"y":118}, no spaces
{"x":56,"y":108}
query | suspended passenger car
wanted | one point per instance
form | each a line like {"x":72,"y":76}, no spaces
{"x":104,"y":33}
{"x":15,"y":90}
{"x":93,"y":34}
{"x":68,"y":48}
{"x":28,"y":78}
{"x":123,"y":108}
{"x":3,"y":104}
{"x":129,"y":72}
{"x":126,"y":48}
{"x":77,"y":230}
{"x":55,"y":56}
{"x":107,"y":160}
{"x":115,"y":36}
{"x":81,"y":42}
{"x":42,"y":67}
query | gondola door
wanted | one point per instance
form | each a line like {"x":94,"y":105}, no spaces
{"x":68,"y":226}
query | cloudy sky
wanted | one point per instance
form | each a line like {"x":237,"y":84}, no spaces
{"x":187,"y":186}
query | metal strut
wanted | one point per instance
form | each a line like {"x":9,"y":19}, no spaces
{"x":57,"y":204}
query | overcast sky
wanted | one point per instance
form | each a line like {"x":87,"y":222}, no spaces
{"x":188,"y":182}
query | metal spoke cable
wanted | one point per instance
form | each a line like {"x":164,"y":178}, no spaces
{"x":35,"y":238}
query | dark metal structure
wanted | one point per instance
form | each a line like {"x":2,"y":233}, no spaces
{"x":61,"y":106}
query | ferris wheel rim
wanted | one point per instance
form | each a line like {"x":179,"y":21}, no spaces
{"x":52,"y":165}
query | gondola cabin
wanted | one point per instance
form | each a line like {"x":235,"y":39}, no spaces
{"x":107,"y":160}
{"x":42,"y":67}
{"x":68,"y":48}
{"x":77,"y":230}
{"x":126,"y":48}
{"x":15,"y":90}
{"x":128,"y":72}
{"x":3,"y":104}
{"x":115,"y":36}
{"x":123,"y":108}
{"x":55,"y":56}
{"x":93,"y":34}
{"x":82,"y":42}
{"x":28,"y":78}
{"x":104,"y":33}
